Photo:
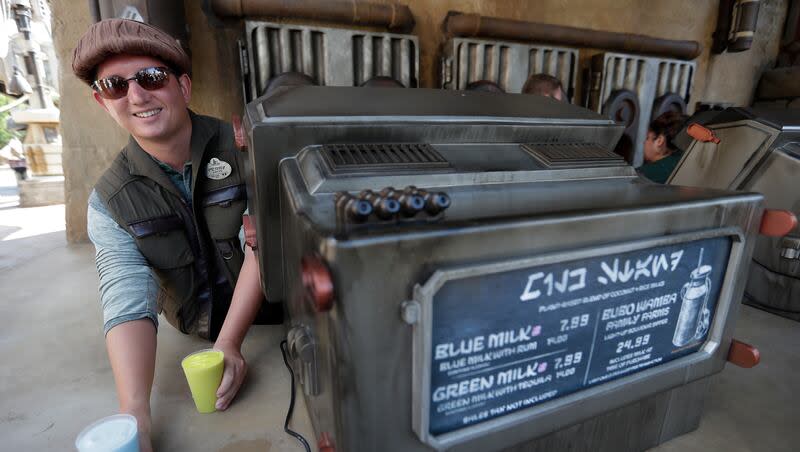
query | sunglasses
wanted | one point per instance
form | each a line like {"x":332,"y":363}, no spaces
{"x":116,"y":87}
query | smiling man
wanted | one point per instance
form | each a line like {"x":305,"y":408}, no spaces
{"x":165,"y":218}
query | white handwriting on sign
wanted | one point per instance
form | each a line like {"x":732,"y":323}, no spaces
{"x":569,"y":281}
{"x":649,"y":267}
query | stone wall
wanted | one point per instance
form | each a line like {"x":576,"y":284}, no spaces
{"x":91,"y":139}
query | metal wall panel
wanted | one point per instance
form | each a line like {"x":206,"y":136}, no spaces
{"x":508,"y":64}
{"x":649,"y":78}
{"x":675,"y":77}
{"x":332,"y":56}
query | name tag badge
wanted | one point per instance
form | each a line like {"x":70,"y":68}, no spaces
{"x":218,"y":169}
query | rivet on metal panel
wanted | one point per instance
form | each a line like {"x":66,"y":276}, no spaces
{"x":777,"y":223}
{"x":701,"y":133}
{"x":238,"y":133}
{"x":317,"y":283}
{"x":410,"y":311}
{"x":325,"y":444}
{"x":743,"y":355}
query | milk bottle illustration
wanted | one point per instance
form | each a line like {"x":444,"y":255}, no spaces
{"x":694,"y":317}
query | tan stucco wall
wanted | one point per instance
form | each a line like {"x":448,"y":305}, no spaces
{"x":733,"y":77}
{"x":91,"y":139}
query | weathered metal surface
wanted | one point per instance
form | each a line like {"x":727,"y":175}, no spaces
{"x":649,"y":78}
{"x":395,"y":17}
{"x":509,"y":210}
{"x":757,"y":151}
{"x":474,"y":25}
{"x":331,"y":56}
{"x":509,"y":64}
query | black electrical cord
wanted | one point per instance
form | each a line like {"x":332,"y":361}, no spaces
{"x":286,"y":428}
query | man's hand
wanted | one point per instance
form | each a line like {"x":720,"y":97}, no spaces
{"x":245,"y":303}
{"x":233,"y":376}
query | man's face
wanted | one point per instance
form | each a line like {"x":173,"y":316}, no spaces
{"x":149,"y":115}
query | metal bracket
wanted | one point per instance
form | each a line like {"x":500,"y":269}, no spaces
{"x":447,"y":72}
{"x":244,"y":67}
{"x":790,"y":248}
{"x":410,"y":311}
{"x":303,"y":351}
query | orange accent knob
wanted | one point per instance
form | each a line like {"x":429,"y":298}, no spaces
{"x":325,"y":444}
{"x":238,"y":133}
{"x":317,"y":283}
{"x":777,"y":223}
{"x":701,"y":133}
{"x":743,"y":355}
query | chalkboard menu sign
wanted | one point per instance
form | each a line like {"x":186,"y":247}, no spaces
{"x":502,"y":342}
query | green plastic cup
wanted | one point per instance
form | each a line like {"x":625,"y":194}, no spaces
{"x":203,"y":371}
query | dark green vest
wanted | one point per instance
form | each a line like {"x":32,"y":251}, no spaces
{"x":193,"y":249}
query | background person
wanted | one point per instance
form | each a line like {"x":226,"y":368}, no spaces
{"x":487,"y":86}
{"x":544,"y":85}
{"x":660,"y":155}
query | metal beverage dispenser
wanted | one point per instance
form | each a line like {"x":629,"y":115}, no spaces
{"x":473,"y":271}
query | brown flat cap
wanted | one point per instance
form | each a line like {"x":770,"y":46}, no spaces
{"x":122,"y":36}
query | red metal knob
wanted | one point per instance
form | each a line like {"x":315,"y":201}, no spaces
{"x":325,"y":444}
{"x":317,"y":283}
{"x":743,"y":355}
{"x":238,"y":133}
{"x":777,"y":223}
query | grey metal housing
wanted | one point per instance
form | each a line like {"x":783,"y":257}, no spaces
{"x":331,"y":56}
{"x":365,"y":372}
{"x":509,"y":64}
{"x":648,"y":77}
{"x":759,"y":151}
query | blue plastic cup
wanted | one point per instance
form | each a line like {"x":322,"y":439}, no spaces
{"x":117,"y":433}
